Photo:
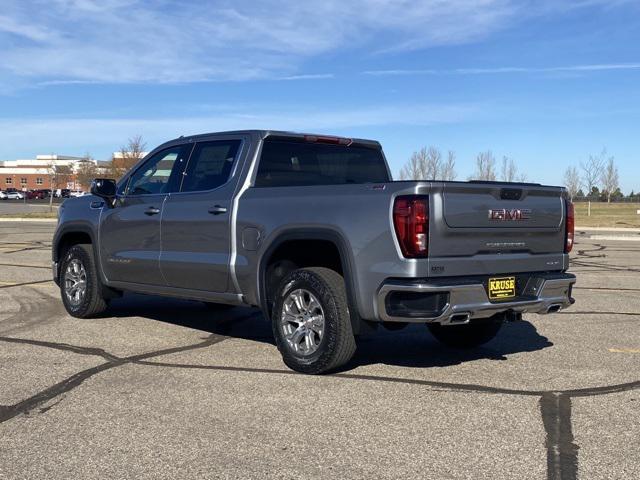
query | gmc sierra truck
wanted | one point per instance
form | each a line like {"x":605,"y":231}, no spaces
{"x":312,"y":230}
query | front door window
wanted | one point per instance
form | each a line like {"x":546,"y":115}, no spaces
{"x":160,"y":173}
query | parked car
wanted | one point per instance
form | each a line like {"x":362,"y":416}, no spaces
{"x":61,"y":193}
{"x":3,"y":195}
{"x":312,"y":230}
{"x":76,"y":193}
{"x":14,"y":196}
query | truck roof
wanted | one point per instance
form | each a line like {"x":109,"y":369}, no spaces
{"x":278,"y":133}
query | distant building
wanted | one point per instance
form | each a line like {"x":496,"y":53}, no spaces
{"x":121,"y":162}
{"x":33,"y":174}
{"x":120,"y":155}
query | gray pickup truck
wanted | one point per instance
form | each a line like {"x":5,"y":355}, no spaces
{"x":312,"y":230}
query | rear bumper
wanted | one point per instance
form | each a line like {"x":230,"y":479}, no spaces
{"x":461,"y":300}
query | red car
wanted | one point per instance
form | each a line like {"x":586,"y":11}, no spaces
{"x":38,"y":194}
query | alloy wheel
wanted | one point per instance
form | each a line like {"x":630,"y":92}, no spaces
{"x":302,"y":322}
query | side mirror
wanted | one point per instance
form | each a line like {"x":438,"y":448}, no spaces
{"x":104,"y":188}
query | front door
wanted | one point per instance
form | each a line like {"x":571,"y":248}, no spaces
{"x":196,"y":225}
{"x":130,"y":231}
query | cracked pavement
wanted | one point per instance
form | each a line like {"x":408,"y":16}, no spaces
{"x":164,"y":388}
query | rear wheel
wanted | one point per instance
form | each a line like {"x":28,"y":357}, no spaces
{"x":80,"y":286}
{"x":473,"y":334}
{"x":311,"y":321}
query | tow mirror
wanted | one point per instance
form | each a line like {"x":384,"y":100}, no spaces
{"x":104,"y":188}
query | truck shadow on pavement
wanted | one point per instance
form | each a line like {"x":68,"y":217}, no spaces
{"x":412,"y":347}
{"x":415,"y":347}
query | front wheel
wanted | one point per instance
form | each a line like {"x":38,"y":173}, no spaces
{"x":80,"y":286}
{"x":473,"y":334}
{"x":311,"y":321}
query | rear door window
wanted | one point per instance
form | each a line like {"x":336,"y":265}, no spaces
{"x":210,"y":165}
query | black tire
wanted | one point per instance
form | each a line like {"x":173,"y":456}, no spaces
{"x":93,"y":302}
{"x":473,"y":334}
{"x":337,"y":344}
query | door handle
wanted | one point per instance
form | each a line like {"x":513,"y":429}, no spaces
{"x":217,"y":210}
{"x":152,"y":211}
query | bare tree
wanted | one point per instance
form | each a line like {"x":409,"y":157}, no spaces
{"x":433,"y":164}
{"x":485,"y":167}
{"x":58,"y":175}
{"x":509,"y":170}
{"x":610,"y":179}
{"x":427,"y":164}
{"x":63,"y":176}
{"x":572,"y":181}
{"x":449,"y":168}
{"x":129,"y":155}
{"x":134,"y":150}
{"x":414,"y":168}
{"x":86,"y":171}
{"x":592,"y":169}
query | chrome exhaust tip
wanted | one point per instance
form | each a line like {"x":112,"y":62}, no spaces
{"x":459,"y":318}
{"x":554,"y":308}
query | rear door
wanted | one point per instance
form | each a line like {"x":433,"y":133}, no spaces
{"x":196,"y":221}
{"x":130,"y":231}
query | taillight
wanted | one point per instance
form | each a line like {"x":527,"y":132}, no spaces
{"x":571,"y":226}
{"x":411,"y":222}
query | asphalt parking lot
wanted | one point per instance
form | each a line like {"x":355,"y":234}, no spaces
{"x":20,"y":207}
{"x":165,"y":388}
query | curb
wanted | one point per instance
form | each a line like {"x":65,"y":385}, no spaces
{"x":608,"y":229}
{"x":28,"y":219}
{"x":626,"y":238}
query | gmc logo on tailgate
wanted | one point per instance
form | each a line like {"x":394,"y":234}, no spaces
{"x":505,"y":215}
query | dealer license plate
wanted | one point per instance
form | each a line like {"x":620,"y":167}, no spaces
{"x":501,"y":288}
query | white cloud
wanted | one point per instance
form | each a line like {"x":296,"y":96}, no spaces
{"x":172,"y":41}
{"x":10,"y":25}
{"x":177,"y":41}
{"x":502,"y":70}
{"x":77,"y":135}
{"x":309,"y":76}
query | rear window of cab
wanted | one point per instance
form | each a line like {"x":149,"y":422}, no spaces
{"x":298,"y":163}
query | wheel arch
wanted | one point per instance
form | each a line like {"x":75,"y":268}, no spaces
{"x":310,"y":235}
{"x":69,"y":235}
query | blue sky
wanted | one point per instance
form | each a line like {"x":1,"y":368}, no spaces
{"x":546,"y":82}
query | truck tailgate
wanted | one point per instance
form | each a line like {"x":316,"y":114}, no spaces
{"x":485,"y":218}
